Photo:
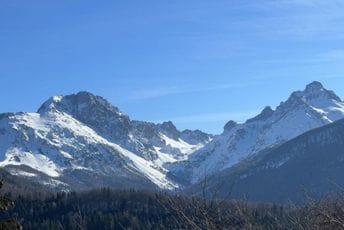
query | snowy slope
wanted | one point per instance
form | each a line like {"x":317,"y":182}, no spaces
{"x":308,"y":165}
{"x":75,"y":138}
{"x":82,"y":141}
{"x":303,"y":111}
{"x":56,"y":142}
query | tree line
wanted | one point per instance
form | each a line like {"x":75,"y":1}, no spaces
{"x":140,"y":209}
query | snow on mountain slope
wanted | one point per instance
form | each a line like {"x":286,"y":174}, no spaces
{"x":184,"y":147}
{"x":56,"y":141}
{"x":311,"y":163}
{"x":16,"y":156}
{"x":168,"y":144}
{"x":109,"y":122}
{"x":303,"y":111}
{"x":84,"y":133}
{"x":83,"y":141}
{"x":184,"y":150}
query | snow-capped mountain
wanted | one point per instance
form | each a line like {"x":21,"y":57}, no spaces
{"x":82,"y":141}
{"x":304,"y":110}
{"x":310,"y":165}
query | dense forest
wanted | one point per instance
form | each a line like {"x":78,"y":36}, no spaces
{"x":132,"y":209}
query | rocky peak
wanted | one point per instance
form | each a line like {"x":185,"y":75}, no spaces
{"x":314,"y":86}
{"x":195,"y":136}
{"x":230,"y":125}
{"x":314,"y":95}
{"x":316,"y":90}
{"x":76,"y":103}
{"x":264,"y":115}
{"x":92,"y":110}
{"x":170,"y":129}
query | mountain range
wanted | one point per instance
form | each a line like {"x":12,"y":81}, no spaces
{"x":81,"y":141}
{"x":309,"y":166}
{"x":304,"y":110}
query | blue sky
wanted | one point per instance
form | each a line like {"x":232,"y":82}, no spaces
{"x":197,"y":63}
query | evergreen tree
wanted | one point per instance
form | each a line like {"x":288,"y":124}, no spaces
{"x":5,"y":204}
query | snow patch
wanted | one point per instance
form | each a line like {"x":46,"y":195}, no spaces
{"x":184,"y":147}
{"x":36,"y":161}
{"x":17,"y":172}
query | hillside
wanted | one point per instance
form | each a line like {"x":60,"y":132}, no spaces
{"x":310,"y":165}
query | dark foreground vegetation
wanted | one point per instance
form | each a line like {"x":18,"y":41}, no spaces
{"x":123,"y":209}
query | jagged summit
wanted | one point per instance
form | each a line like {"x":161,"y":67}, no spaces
{"x":79,"y":137}
{"x":314,"y":100}
{"x":195,"y":137}
{"x":74,"y":139}
{"x":314,"y":94}
{"x":229,"y":125}
{"x":304,"y":110}
{"x":314,"y":86}
{"x":168,"y":125}
{"x":75,"y":103}
{"x":169,"y":128}
{"x":92,"y":110}
{"x":265,"y":114}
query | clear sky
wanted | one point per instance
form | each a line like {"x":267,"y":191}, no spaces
{"x":197,"y":63}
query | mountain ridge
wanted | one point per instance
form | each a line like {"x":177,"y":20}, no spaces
{"x":83,"y":136}
{"x":73,"y":139}
{"x":304,"y":110}
{"x":309,"y":165}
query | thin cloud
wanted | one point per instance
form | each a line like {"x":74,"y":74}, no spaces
{"x":299,"y":19}
{"x":333,"y":55}
{"x":240,"y":116}
{"x":173,"y":90}
{"x":327,"y":56}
